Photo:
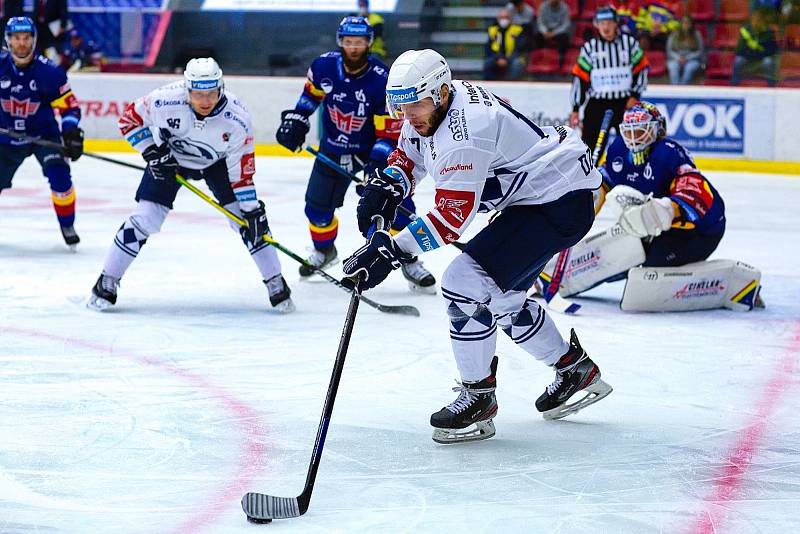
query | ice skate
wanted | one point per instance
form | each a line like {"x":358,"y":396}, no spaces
{"x":70,"y":237}
{"x":575,"y":372}
{"x":104,"y":293}
{"x":469,"y":417}
{"x":279,"y":294}
{"x":319,"y":259}
{"x":419,"y":278}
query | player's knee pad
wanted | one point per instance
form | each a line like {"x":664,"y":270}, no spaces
{"x":603,"y":257}
{"x":703,"y":285}
{"x":58,"y":175}
{"x":148,"y":217}
{"x":319,"y":217}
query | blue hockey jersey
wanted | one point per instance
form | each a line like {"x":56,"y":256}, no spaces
{"x":669,"y":171}
{"x":354,"y":117}
{"x":30,"y":96}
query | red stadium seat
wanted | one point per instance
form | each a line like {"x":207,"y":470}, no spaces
{"x":790,"y":65}
{"x":701,"y":10}
{"x":725,"y":36}
{"x":703,"y":29}
{"x":733,"y":10}
{"x":792,"y":36}
{"x":573,"y":8}
{"x":581,"y":28}
{"x":589,"y":7}
{"x":658,"y":62}
{"x":543,"y":61}
{"x":719,"y":64}
{"x":569,"y":61}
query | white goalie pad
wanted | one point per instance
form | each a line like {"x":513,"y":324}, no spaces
{"x":704,"y":285}
{"x":597,"y":259}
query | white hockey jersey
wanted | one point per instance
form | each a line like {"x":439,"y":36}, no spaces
{"x":485,"y":156}
{"x":165,"y":116}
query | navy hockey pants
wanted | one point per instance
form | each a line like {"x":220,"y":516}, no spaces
{"x":163,"y":192}
{"x":514,"y":248}
{"x":679,"y":247}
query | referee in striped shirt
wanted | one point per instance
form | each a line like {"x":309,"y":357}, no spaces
{"x":611,"y":73}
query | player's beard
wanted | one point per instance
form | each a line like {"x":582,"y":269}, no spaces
{"x":436,"y":118}
{"x":357,"y":64}
{"x":22,"y":59}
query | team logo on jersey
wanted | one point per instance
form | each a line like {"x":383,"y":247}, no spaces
{"x":648,"y":172}
{"x":5,"y":83}
{"x":454,"y":206}
{"x":19,"y":108}
{"x":617,"y":164}
{"x":33,"y":85}
{"x":192,"y":148}
{"x":346,"y":122}
{"x":327,"y":85}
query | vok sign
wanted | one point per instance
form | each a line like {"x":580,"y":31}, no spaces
{"x":705,"y":125}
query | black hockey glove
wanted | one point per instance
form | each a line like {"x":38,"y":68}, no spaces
{"x":374,"y":261}
{"x":293,"y":129}
{"x":161,"y":162}
{"x":381,"y":196}
{"x":73,"y":143}
{"x":257,"y":224}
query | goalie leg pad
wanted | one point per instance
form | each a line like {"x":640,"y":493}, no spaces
{"x":599,"y":258}
{"x":703,"y":285}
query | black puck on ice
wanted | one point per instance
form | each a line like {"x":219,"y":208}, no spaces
{"x":259,"y":521}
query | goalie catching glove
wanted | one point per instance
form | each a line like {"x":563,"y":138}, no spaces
{"x":381,"y":196}
{"x":257,"y":224}
{"x":374,"y":261}
{"x":648,"y":219}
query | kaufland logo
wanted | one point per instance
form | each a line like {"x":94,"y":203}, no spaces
{"x":458,"y":167}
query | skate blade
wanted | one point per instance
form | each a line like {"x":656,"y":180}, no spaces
{"x":475,"y":432}
{"x":97,"y":304}
{"x":286,"y":306}
{"x":422,"y":290}
{"x":73,"y":248}
{"x":594,"y":392}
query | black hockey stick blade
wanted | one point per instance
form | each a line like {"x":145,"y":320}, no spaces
{"x":261,"y":508}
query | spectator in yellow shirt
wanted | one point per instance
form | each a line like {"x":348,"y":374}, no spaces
{"x":504,"y":60}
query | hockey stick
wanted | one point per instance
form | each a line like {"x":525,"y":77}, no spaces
{"x":263,"y":508}
{"x":551,"y":290}
{"x":344,"y":172}
{"x":385,"y":308}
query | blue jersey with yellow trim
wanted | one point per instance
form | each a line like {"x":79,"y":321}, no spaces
{"x":29,"y":97}
{"x":668,"y":171}
{"x":354,"y":117}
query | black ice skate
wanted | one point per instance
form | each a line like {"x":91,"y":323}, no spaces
{"x":321,"y":259}
{"x":575,"y":372}
{"x":419,"y":278}
{"x":70,"y":237}
{"x":279,"y":294}
{"x":104,"y":293}
{"x":469,"y":417}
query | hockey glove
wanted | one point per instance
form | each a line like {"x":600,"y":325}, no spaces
{"x":374,"y":261}
{"x":648,"y":219}
{"x":293,"y":129}
{"x":257,"y":224}
{"x":381,"y":196}
{"x":161,"y":162}
{"x":73,"y":143}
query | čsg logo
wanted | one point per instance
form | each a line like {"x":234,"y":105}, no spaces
{"x":703,"y":120}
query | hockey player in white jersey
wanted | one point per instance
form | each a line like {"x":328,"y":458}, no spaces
{"x":483,"y":155}
{"x":198,"y":129}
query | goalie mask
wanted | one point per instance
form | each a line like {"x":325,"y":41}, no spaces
{"x":642,"y":125}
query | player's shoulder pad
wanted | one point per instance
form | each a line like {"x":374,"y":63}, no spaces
{"x":170,"y":95}
{"x":235,"y":113}
{"x":49,"y":69}
{"x":669,"y":150}
{"x":378,"y":67}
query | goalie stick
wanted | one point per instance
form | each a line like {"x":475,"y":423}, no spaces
{"x":550,"y":292}
{"x":385,"y":308}
{"x":263,"y":508}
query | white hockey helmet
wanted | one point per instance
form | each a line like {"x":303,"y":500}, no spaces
{"x":414,"y":76}
{"x":203,"y":74}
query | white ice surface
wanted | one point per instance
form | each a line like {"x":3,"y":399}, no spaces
{"x":157,"y":416}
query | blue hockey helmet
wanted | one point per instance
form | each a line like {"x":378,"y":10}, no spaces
{"x":606,"y":13}
{"x":355,"y":27}
{"x":20,"y":25}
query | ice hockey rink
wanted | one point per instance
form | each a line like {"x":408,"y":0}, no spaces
{"x":157,"y":416}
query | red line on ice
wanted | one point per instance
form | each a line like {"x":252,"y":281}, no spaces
{"x":251,"y":456}
{"x":729,"y":483}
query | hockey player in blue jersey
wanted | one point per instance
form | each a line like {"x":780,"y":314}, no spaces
{"x":32,"y":88}
{"x":357,"y":132}
{"x":669,"y":215}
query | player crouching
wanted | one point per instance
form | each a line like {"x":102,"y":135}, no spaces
{"x":198,"y":129}
{"x":671,"y":218}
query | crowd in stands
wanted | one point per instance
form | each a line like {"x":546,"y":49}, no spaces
{"x":713,"y":42}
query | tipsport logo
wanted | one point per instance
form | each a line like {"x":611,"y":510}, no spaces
{"x":401,"y":96}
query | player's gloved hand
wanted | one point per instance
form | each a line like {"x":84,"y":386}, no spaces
{"x":257,"y":224}
{"x":293,"y":129}
{"x":648,"y":219}
{"x":73,"y":143}
{"x":381,"y":196}
{"x":374,"y":261}
{"x":161,"y":162}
